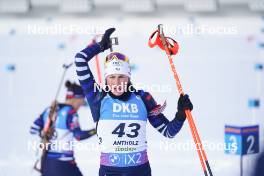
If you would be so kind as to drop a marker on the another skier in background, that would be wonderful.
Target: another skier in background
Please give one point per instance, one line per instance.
(121, 113)
(259, 169)
(59, 160)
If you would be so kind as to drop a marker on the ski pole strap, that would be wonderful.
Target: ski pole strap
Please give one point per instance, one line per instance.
(171, 44)
(113, 41)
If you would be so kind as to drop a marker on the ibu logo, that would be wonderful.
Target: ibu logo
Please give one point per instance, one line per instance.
(125, 108)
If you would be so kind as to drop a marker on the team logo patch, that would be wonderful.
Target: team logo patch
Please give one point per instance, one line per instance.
(158, 109)
(114, 159)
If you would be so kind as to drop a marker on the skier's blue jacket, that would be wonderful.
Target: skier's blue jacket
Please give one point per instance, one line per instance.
(121, 124)
(66, 129)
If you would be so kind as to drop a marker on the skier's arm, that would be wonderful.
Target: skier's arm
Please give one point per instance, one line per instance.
(74, 127)
(167, 128)
(158, 120)
(85, 75)
(37, 125)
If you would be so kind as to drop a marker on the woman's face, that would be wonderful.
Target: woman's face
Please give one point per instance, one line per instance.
(117, 83)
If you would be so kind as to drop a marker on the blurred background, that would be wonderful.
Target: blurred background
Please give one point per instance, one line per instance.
(220, 64)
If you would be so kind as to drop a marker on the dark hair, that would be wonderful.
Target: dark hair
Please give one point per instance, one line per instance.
(69, 85)
(73, 87)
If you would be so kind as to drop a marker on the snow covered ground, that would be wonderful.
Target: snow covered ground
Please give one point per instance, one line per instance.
(216, 69)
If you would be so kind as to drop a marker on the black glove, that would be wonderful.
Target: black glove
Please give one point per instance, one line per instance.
(105, 43)
(183, 103)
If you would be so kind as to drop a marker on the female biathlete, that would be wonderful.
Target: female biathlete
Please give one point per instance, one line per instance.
(59, 160)
(121, 113)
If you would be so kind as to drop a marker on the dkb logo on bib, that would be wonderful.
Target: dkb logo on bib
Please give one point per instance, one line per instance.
(125, 108)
